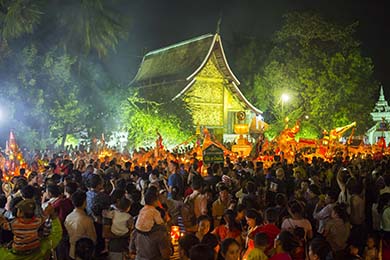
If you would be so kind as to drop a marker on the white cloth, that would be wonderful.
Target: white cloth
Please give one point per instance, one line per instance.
(385, 220)
(120, 222)
(79, 225)
(50, 201)
(147, 217)
(289, 224)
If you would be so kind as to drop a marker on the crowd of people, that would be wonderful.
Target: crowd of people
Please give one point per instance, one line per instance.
(78, 207)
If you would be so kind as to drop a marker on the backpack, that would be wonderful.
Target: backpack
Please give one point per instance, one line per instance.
(188, 212)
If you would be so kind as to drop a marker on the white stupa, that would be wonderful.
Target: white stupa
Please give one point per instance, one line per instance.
(381, 116)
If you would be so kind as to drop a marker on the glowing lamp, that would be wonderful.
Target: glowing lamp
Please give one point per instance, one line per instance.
(241, 129)
(285, 97)
(175, 234)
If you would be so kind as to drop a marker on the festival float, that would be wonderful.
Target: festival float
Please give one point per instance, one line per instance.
(13, 160)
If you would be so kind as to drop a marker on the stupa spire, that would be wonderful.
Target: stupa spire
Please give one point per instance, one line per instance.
(381, 95)
(382, 108)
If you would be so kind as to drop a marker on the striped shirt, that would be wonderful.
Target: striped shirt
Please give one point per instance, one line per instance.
(25, 233)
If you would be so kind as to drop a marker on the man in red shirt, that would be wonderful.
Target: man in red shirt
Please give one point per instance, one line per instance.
(63, 207)
(269, 227)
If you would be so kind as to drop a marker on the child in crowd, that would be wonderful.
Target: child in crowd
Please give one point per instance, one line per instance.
(25, 227)
(299, 251)
(121, 219)
(84, 249)
(354, 252)
(371, 251)
(149, 215)
(261, 243)
(3, 211)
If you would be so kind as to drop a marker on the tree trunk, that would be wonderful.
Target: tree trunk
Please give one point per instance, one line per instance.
(65, 133)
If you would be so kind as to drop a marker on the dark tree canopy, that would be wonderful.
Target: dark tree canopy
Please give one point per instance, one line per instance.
(319, 65)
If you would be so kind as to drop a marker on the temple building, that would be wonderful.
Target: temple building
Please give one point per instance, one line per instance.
(381, 117)
(197, 72)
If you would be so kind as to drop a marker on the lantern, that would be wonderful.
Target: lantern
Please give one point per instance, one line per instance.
(175, 234)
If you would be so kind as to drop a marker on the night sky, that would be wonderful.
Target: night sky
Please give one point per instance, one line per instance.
(158, 23)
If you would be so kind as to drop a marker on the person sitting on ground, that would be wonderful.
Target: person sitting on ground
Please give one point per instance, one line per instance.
(261, 243)
(149, 215)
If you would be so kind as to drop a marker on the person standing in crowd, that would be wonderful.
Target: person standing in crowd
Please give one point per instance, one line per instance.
(337, 230)
(175, 179)
(228, 228)
(64, 207)
(323, 210)
(254, 221)
(220, 205)
(203, 232)
(269, 228)
(78, 224)
(155, 244)
(296, 219)
(94, 187)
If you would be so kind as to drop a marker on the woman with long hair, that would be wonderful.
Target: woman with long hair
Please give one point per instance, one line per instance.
(228, 227)
(254, 221)
(284, 245)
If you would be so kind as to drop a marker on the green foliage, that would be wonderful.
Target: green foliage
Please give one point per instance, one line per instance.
(93, 26)
(141, 124)
(320, 66)
(307, 131)
(57, 86)
(19, 17)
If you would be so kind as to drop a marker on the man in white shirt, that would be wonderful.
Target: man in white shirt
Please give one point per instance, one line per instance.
(78, 223)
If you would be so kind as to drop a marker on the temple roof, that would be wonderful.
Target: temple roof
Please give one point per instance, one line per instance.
(174, 62)
(177, 65)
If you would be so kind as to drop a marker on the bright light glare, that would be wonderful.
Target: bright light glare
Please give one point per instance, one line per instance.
(285, 97)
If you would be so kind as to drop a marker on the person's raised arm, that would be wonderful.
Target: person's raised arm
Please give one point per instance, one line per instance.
(340, 180)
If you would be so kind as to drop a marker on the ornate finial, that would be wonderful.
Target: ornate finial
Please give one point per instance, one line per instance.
(381, 94)
(219, 24)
